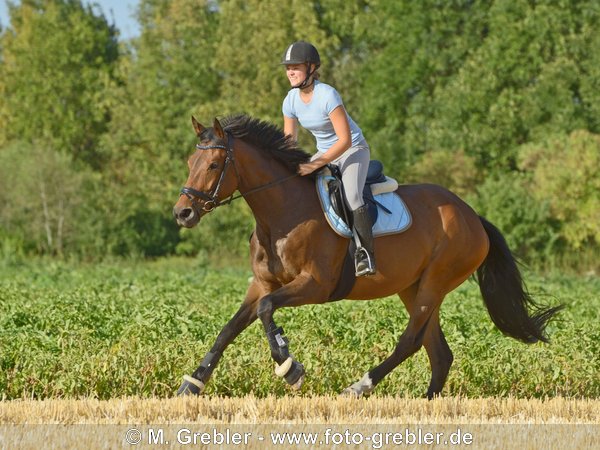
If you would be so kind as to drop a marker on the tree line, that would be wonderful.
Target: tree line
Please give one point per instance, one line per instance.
(496, 100)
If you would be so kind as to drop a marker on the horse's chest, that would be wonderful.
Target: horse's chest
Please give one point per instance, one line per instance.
(280, 260)
(285, 257)
(283, 254)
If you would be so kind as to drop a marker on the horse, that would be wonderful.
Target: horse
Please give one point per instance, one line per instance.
(297, 258)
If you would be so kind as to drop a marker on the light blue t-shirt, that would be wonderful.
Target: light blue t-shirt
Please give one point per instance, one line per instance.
(314, 116)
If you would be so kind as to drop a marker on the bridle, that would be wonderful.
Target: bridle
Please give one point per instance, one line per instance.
(211, 199)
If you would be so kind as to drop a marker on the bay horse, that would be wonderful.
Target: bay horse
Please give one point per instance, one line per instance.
(297, 258)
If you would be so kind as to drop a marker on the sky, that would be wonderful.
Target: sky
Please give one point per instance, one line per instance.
(118, 11)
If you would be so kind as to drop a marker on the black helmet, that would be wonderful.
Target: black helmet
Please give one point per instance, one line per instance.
(301, 52)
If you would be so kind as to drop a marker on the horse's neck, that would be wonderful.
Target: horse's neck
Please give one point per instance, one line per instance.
(281, 205)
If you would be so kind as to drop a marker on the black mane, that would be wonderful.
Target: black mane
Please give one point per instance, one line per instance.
(268, 138)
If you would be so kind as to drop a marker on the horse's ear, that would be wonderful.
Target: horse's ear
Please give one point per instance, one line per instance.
(218, 129)
(198, 127)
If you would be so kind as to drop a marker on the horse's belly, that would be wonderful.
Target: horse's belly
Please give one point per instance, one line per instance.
(378, 286)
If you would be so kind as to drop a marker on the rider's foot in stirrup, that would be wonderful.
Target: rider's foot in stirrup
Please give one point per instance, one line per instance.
(364, 263)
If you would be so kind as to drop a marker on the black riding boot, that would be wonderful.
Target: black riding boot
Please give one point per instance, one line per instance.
(364, 257)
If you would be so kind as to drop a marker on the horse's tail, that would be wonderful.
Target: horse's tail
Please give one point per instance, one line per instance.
(505, 295)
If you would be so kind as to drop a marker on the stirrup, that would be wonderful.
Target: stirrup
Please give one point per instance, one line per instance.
(363, 263)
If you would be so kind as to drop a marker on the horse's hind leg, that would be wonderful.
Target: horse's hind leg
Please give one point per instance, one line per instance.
(423, 312)
(440, 355)
(438, 350)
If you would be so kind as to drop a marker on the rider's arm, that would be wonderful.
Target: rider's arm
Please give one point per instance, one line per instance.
(290, 127)
(339, 120)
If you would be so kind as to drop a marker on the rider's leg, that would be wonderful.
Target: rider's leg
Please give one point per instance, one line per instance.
(354, 165)
(365, 255)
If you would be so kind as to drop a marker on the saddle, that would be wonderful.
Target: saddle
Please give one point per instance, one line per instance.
(376, 183)
(389, 213)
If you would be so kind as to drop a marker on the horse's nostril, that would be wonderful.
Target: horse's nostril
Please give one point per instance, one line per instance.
(185, 213)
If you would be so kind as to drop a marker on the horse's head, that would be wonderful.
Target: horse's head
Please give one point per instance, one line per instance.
(212, 176)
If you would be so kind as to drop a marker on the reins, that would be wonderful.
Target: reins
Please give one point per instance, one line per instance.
(260, 188)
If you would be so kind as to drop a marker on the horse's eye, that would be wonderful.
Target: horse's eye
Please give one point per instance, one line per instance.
(213, 166)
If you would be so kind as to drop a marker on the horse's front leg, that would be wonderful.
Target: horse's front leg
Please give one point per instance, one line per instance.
(239, 322)
(301, 291)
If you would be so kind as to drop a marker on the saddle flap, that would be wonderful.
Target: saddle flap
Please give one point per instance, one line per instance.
(393, 215)
(340, 205)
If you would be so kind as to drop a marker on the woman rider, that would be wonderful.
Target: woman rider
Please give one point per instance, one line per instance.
(318, 107)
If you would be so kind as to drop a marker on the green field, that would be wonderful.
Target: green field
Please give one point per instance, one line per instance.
(119, 329)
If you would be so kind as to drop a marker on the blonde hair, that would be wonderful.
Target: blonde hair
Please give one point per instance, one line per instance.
(316, 73)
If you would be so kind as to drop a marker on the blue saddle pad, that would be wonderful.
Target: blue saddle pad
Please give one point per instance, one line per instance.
(394, 218)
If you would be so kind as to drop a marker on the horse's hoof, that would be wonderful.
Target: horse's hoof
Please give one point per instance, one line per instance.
(190, 386)
(358, 389)
(298, 384)
(350, 393)
(295, 374)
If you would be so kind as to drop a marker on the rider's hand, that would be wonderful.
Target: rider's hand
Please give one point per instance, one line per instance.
(308, 168)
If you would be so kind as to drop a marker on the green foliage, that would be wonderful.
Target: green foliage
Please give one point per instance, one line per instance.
(565, 171)
(249, 49)
(460, 93)
(128, 329)
(415, 50)
(519, 82)
(453, 170)
(40, 193)
(162, 79)
(57, 64)
(526, 222)
(165, 76)
(148, 233)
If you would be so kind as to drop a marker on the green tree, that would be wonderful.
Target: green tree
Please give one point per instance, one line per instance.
(41, 197)
(167, 73)
(167, 76)
(57, 63)
(565, 174)
(454, 170)
(526, 221)
(526, 79)
(252, 36)
(414, 50)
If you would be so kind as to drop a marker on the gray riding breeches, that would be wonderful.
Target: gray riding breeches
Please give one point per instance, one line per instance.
(354, 164)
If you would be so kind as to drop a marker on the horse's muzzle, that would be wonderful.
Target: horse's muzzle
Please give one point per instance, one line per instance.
(186, 216)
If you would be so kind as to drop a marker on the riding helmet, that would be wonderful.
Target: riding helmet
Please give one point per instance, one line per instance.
(301, 52)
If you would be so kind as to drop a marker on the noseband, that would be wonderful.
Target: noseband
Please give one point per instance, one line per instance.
(211, 199)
